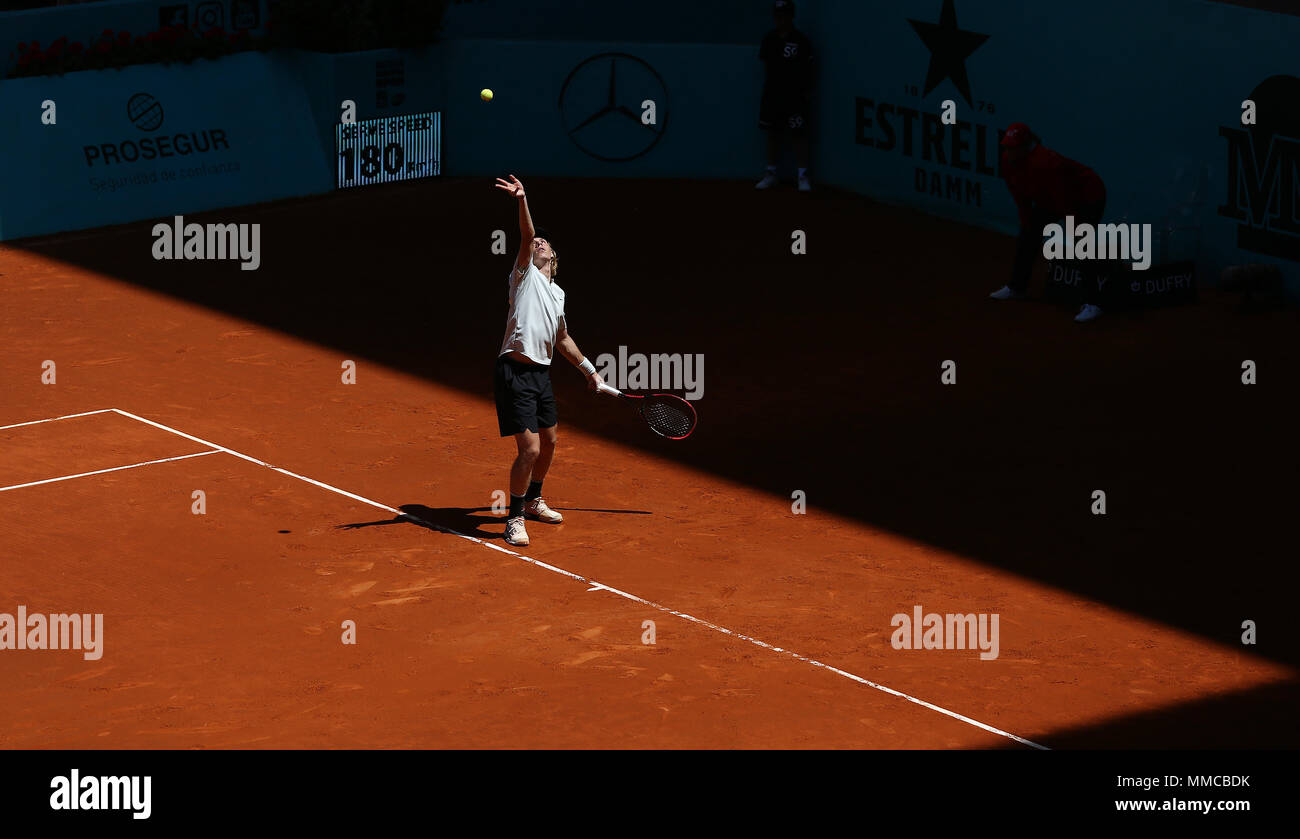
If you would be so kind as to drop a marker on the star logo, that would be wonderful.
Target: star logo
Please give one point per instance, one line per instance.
(949, 48)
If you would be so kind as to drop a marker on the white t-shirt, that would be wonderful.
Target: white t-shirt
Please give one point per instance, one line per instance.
(536, 315)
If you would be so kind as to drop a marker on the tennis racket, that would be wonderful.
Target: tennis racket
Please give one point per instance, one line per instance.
(667, 415)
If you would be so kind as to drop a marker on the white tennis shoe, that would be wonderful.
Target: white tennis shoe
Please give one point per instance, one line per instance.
(515, 533)
(537, 509)
(769, 181)
(1007, 293)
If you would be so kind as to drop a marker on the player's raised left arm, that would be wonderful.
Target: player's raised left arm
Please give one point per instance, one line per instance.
(569, 349)
(526, 229)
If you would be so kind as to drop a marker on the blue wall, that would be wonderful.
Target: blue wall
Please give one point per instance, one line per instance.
(612, 21)
(1141, 102)
(250, 101)
(278, 111)
(1152, 103)
(705, 96)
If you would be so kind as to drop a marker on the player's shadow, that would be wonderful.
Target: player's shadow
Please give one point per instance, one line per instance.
(466, 520)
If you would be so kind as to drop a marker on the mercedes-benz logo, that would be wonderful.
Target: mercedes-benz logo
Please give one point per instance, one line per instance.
(613, 131)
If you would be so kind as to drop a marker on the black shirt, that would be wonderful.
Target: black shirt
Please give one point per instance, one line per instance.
(789, 64)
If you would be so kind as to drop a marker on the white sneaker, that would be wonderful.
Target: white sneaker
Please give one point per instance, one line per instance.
(538, 509)
(1007, 293)
(515, 533)
(769, 181)
(1087, 313)
(805, 185)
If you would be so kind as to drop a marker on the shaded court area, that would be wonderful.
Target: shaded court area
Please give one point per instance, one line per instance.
(822, 375)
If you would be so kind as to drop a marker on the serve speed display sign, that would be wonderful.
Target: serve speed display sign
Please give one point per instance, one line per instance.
(379, 151)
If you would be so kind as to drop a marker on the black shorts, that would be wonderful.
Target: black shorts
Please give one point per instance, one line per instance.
(783, 113)
(525, 401)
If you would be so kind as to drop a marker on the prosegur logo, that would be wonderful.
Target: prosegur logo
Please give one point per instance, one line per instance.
(146, 113)
(1261, 176)
(604, 103)
(909, 129)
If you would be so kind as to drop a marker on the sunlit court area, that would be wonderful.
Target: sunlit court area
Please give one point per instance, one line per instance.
(263, 448)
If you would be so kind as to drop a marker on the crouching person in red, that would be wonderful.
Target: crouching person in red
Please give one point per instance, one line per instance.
(1047, 187)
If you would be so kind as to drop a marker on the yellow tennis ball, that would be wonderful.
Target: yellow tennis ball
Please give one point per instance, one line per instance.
(485, 94)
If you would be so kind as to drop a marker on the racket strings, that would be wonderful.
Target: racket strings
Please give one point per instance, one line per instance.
(668, 418)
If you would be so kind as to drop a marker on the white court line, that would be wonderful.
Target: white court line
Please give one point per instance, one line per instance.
(55, 419)
(102, 471)
(595, 586)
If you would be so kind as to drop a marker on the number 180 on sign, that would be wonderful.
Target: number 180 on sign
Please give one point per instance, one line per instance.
(399, 148)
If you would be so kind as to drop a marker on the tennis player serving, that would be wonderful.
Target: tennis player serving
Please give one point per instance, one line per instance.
(535, 330)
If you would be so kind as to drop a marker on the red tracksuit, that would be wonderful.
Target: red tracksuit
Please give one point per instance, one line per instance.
(1048, 184)
(1048, 187)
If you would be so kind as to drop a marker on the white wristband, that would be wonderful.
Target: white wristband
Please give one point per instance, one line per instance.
(587, 367)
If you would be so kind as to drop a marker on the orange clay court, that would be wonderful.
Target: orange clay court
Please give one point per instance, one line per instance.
(371, 502)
